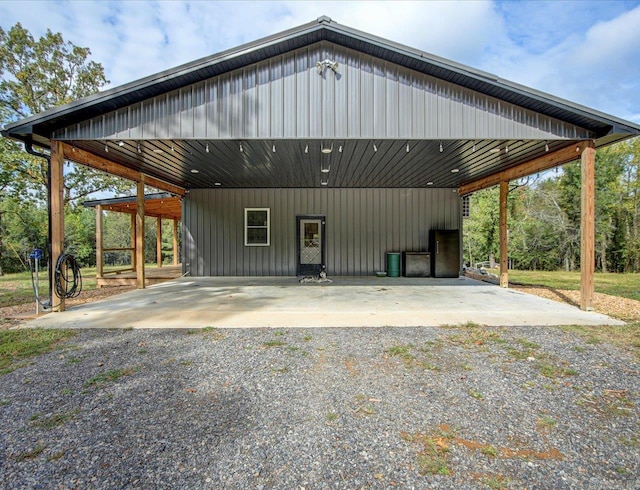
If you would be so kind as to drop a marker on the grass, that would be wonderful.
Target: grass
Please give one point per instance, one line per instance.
(625, 336)
(622, 285)
(33, 453)
(52, 421)
(110, 376)
(17, 346)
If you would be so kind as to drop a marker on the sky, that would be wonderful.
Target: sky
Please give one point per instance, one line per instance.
(587, 52)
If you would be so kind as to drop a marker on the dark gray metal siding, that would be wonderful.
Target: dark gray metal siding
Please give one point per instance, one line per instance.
(285, 97)
(362, 225)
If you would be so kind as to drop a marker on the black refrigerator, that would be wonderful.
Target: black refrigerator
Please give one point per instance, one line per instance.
(444, 246)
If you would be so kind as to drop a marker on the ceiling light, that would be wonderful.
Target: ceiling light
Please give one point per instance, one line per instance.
(494, 150)
(106, 148)
(207, 148)
(429, 183)
(546, 147)
(324, 183)
(306, 149)
(577, 148)
(217, 183)
(121, 143)
(172, 148)
(474, 147)
(325, 170)
(340, 149)
(241, 149)
(326, 150)
(139, 149)
(407, 147)
(455, 170)
(273, 148)
(375, 148)
(441, 149)
(157, 150)
(506, 149)
(195, 171)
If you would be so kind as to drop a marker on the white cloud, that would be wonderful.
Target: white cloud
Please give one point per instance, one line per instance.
(588, 52)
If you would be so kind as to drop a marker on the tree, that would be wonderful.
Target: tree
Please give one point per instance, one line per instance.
(37, 75)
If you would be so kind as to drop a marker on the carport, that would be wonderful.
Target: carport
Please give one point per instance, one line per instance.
(367, 144)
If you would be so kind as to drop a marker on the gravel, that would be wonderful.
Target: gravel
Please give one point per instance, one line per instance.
(448, 407)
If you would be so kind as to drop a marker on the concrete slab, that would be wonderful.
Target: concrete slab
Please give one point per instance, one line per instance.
(346, 302)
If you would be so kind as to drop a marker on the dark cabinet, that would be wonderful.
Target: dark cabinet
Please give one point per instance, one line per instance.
(444, 246)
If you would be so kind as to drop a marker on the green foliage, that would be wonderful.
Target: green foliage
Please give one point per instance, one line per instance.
(544, 217)
(19, 345)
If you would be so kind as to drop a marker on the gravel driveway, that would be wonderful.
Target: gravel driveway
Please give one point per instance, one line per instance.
(459, 407)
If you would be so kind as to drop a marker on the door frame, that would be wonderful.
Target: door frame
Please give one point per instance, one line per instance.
(323, 244)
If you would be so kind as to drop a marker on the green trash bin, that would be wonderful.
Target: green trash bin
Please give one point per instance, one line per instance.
(393, 264)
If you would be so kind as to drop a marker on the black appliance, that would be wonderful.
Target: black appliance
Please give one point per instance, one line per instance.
(444, 246)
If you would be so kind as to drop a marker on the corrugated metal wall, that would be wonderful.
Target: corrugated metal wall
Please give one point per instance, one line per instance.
(362, 225)
(285, 97)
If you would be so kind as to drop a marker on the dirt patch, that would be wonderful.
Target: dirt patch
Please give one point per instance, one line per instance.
(623, 308)
(11, 316)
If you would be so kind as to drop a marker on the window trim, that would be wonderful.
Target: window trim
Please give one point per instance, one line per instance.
(247, 227)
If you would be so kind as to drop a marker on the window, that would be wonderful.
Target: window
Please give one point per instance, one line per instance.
(256, 227)
(466, 207)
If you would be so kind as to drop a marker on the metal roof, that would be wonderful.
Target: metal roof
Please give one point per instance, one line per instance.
(442, 162)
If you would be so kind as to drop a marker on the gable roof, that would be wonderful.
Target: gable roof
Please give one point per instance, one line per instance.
(40, 126)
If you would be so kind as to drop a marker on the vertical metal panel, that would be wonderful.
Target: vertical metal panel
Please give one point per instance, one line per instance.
(341, 87)
(199, 110)
(264, 101)
(316, 82)
(379, 98)
(277, 98)
(362, 225)
(302, 74)
(366, 96)
(286, 97)
(290, 98)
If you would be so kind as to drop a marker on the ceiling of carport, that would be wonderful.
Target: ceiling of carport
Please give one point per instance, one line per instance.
(298, 163)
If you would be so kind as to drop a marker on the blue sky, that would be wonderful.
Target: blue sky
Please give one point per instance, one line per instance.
(584, 51)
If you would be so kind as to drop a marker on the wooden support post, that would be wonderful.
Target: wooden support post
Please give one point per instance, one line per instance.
(99, 243)
(57, 214)
(134, 255)
(159, 242)
(175, 241)
(140, 283)
(587, 228)
(504, 241)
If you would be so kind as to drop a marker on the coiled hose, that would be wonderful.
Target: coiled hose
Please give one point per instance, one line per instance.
(67, 278)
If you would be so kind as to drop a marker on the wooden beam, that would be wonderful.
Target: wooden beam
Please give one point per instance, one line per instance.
(100, 163)
(57, 214)
(99, 243)
(587, 228)
(545, 162)
(140, 284)
(504, 249)
(159, 241)
(134, 256)
(175, 242)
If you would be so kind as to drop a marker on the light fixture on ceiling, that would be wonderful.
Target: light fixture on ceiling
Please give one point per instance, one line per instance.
(325, 170)
(474, 148)
(375, 148)
(577, 149)
(506, 149)
(195, 171)
(546, 147)
(326, 149)
(241, 149)
(139, 149)
(120, 143)
(217, 183)
(273, 148)
(172, 149)
(407, 147)
(429, 183)
(340, 149)
(158, 150)
(441, 149)
(455, 170)
(207, 148)
(494, 150)
(324, 181)
(306, 149)
(106, 148)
